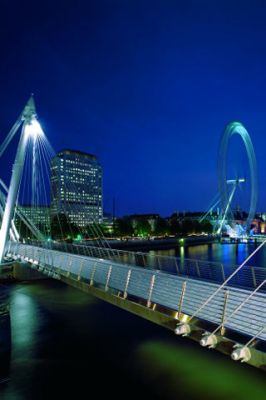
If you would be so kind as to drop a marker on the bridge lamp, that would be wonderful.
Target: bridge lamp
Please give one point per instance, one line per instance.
(33, 129)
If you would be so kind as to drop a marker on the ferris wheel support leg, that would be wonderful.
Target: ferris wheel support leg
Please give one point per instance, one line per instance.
(227, 208)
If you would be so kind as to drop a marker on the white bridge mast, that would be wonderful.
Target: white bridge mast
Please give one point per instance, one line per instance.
(26, 118)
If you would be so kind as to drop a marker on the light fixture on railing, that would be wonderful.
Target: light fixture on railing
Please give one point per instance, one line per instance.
(241, 353)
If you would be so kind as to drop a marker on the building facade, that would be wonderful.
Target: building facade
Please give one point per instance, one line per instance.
(38, 215)
(76, 187)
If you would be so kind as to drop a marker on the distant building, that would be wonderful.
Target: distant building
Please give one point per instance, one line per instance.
(76, 187)
(38, 215)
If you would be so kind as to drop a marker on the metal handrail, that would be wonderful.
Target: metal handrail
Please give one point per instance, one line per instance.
(147, 284)
(240, 306)
(227, 280)
(199, 269)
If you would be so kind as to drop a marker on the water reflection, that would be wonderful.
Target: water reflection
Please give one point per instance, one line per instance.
(24, 317)
(228, 254)
(195, 374)
(5, 347)
(66, 343)
(5, 335)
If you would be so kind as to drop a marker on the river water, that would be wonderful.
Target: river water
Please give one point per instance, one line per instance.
(67, 344)
(227, 254)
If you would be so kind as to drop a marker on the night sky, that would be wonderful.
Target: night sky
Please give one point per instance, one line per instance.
(147, 86)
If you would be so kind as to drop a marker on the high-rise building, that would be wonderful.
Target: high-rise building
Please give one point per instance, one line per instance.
(76, 187)
(37, 215)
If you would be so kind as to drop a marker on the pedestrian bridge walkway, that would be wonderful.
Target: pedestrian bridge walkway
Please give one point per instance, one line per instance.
(223, 307)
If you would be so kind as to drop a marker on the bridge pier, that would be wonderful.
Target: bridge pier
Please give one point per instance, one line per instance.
(22, 272)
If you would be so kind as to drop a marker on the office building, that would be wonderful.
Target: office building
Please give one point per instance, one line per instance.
(76, 187)
(37, 215)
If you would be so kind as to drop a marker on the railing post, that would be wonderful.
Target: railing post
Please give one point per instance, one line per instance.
(254, 277)
(223, 274)
(127, 283)
(108, 278)
(183, 291)
(69, 265)
(159, 264)
(226, 294)
(93, 273)
(197, 268)
(61, 264)
(176, 266)
(143, 258)
(150, 290)
(81, 269)
(16, 249)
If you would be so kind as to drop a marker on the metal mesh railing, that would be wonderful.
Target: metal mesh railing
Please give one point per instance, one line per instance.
(240, 310)
(248, 276)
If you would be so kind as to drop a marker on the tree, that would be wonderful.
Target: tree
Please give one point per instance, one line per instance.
(142, 228)
(175, 226)
(187, 226)
(96, 230)
(162, 227)
(206, 226)
(62, 228)
(123, 227)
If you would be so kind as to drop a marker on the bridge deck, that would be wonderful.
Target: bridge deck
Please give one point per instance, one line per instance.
(242, 311)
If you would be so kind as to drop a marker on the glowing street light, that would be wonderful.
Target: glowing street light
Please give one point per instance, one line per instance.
(33, 128)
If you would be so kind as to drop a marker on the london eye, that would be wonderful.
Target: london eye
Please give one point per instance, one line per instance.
(233, 182)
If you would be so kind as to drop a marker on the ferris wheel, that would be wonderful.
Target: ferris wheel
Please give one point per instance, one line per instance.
(231, 184)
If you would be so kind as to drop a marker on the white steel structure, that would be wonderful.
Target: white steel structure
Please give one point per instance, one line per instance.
(30, 126)
(236, 128)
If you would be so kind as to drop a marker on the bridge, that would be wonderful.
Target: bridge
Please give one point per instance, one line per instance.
(218, 307)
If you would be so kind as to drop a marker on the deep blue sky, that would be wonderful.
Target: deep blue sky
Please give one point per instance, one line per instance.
(147, 86)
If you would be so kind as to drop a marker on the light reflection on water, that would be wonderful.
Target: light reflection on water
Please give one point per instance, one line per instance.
(24, 317)
(65, 342)
(228, 254)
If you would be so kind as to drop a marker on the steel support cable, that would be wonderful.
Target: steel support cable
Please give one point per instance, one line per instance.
(19, 189)
(27, 176)
(20, 214)
(95, 229)
(215, 201)
(70, 227)
(235, 311)
(227, 208)
(2, 208)
(47, 158)
(23, 186)
(11, 134)
(263, 328)
(41, 178)
(227, 280)
(96, 233)
(72, 187)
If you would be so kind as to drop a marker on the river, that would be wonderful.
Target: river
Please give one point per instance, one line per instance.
(67, 344)
(228, 254)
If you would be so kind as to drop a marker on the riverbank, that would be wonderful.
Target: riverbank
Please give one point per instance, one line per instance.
(161, 244)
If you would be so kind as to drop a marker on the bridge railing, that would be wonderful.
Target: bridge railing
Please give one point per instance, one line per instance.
(248, 276)
(202, 269)
(230, 307)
